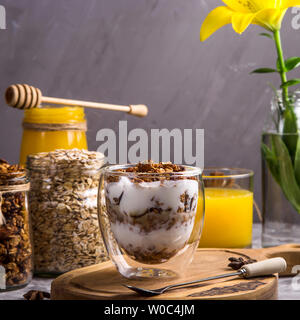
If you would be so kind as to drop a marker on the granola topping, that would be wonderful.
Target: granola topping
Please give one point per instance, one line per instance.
(149, 171)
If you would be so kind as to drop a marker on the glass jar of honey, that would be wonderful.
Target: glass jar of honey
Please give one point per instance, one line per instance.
(48, 129)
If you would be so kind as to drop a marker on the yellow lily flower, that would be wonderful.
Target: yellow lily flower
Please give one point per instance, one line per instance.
(241, 13)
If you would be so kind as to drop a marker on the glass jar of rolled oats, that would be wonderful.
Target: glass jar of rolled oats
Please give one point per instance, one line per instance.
(63, 207)
(15, 240)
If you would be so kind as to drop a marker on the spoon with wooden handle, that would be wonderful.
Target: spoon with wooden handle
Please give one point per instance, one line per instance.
(23, 96)
(262, 268)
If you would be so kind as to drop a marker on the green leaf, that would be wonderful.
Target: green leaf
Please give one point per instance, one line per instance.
(288, 181)
(290, 83)
(290, 130)
(297, 163)
(264, 70)
(292, 63)
(268, 35)
(271, 160)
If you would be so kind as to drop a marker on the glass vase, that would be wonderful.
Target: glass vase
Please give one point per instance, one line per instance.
(281, 220)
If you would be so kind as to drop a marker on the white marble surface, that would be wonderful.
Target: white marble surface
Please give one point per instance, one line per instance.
(285, 292)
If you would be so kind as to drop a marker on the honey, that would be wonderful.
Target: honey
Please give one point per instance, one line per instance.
(48, 129)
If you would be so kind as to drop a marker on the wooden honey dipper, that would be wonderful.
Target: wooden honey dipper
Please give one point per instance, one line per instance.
(23, 96)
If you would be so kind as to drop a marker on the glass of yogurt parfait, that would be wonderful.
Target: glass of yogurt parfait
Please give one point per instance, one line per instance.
(151, 217)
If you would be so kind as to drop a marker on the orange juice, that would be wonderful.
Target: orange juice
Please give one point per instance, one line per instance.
(228, 218)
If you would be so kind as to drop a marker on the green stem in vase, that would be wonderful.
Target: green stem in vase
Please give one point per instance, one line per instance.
(290, 127)
(281, 62)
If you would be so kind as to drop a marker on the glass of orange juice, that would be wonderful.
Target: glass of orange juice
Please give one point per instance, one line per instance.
(228, 208)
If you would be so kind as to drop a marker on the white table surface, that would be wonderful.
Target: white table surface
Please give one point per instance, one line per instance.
(286, 290)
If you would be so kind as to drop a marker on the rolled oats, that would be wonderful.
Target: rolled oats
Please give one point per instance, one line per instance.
(63, 206)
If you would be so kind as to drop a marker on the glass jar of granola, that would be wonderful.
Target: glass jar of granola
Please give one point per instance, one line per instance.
(15, 240)
(63, 207)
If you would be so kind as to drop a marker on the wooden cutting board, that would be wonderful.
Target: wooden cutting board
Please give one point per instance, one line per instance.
(103, 282)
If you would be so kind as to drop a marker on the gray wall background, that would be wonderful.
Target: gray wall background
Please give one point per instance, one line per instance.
(143, 51)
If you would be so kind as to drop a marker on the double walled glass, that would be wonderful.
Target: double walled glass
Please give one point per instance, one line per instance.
(151, 223)
(228, 208)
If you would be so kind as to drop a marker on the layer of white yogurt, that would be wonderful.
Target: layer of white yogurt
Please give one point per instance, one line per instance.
(137, 197)
(175, 238)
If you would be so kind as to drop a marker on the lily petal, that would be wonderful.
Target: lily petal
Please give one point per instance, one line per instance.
(238, 6)
(241, 21)
(290, 3)
(270, 19)
(215, 20)
(247, 6)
